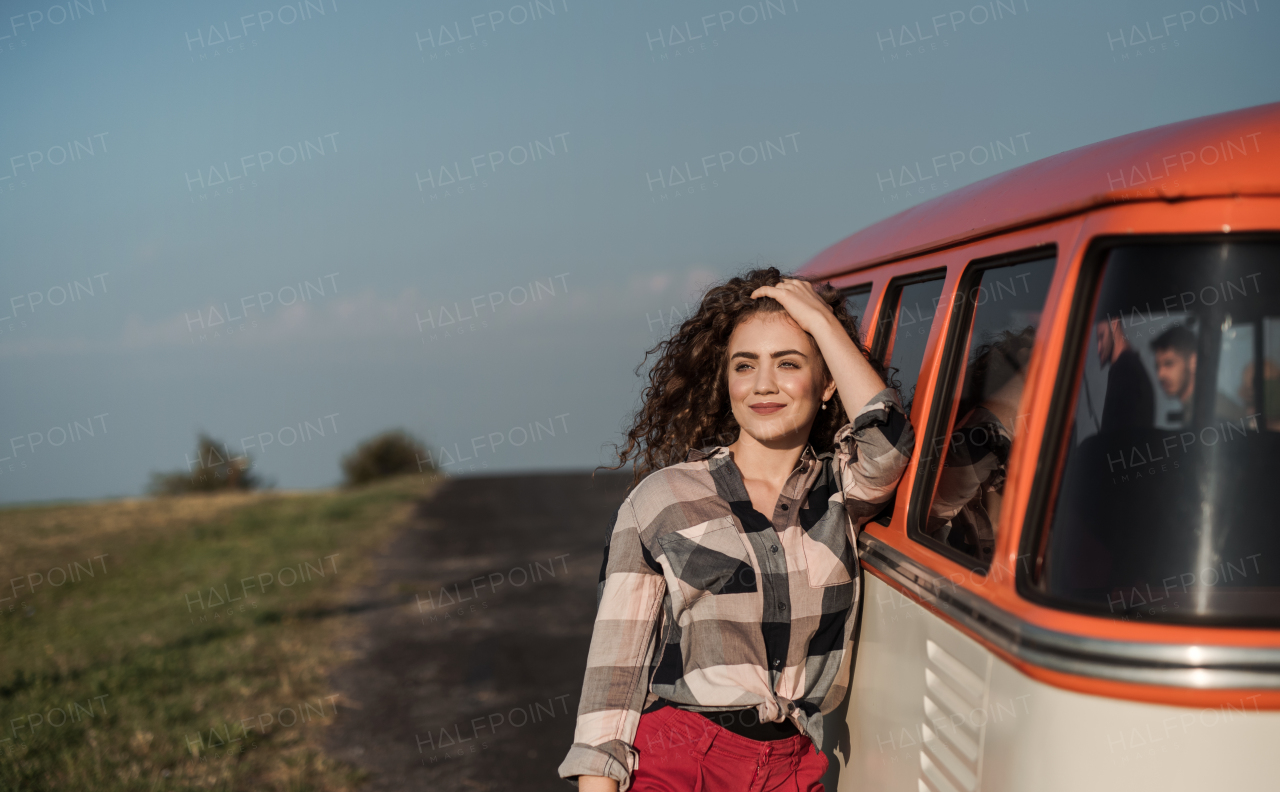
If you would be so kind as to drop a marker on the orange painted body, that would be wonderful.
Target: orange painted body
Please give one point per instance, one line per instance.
(1128, 185)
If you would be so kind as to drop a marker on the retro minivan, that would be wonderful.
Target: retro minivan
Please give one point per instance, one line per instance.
(1077, 585)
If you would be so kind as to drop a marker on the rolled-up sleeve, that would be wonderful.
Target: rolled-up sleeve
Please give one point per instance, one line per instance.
(871, 452)
(623, 641)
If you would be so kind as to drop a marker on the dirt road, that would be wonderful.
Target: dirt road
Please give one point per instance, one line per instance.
(472, 681)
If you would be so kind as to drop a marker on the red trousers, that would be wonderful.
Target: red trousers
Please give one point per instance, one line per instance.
(684, 752)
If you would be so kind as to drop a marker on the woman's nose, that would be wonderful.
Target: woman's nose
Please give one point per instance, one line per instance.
(766, 382)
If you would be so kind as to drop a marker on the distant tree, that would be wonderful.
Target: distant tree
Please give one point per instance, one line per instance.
(392, 453)
(214, 469)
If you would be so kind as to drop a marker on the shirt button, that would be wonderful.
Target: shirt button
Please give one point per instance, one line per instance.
(782, 606)
(784, 507)
(773, 549)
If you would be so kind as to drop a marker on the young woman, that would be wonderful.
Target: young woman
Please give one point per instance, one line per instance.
(730, 581)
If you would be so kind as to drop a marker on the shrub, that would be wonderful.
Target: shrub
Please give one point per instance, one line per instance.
(392, 453)
(214, 470)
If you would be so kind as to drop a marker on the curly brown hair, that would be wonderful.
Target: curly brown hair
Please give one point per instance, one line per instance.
(686, 403)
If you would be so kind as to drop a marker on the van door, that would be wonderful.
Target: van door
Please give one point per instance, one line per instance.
(919, 702)
(907, 315)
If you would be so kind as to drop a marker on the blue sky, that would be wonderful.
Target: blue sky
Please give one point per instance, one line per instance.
(293, 226)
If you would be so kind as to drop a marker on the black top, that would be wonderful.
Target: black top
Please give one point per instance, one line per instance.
(743, 722)
(1130, 401)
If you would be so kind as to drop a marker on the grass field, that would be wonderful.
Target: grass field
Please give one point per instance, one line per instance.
(181, 643)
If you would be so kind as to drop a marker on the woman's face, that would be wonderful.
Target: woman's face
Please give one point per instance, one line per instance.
(777, 380)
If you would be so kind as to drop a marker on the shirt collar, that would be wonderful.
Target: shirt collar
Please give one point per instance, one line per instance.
(699, 454)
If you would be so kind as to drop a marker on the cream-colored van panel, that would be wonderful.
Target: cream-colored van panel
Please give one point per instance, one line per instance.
(1071, 741)
(930, 709)
(913, 711)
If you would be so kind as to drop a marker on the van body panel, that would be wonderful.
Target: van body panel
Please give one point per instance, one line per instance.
(1193, 675)
(915, 712)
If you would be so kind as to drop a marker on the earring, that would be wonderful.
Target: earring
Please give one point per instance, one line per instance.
(824, 405)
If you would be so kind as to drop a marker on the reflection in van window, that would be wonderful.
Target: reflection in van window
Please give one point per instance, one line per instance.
(855, 302)
(1006, 304)
(917, 305)
(1130, 400)
(1239, 390)
(1168, 499)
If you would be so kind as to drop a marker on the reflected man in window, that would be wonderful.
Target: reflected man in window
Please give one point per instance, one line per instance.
(1130, 401)
(966, 505)
(1175, 352)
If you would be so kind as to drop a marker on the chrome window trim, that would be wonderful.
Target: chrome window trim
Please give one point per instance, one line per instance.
(1171, 665)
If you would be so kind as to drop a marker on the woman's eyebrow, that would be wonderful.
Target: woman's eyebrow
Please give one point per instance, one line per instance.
(775, 355)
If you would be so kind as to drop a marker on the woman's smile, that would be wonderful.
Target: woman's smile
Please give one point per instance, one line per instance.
(766, 408)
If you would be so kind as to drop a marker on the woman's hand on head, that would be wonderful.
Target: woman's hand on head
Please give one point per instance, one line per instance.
(855, 379)
(802, 303)
(596, 784)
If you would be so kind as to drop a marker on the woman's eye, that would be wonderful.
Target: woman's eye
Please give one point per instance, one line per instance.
(790, 363)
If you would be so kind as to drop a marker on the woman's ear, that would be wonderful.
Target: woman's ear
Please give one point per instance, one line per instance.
(830, 390)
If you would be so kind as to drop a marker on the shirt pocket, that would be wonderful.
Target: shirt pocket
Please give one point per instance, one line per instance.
(828, 556)
(710, 558)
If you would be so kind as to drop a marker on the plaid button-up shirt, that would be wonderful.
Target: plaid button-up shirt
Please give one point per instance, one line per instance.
(707, 603)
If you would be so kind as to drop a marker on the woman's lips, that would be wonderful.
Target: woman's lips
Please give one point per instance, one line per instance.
(767, 408)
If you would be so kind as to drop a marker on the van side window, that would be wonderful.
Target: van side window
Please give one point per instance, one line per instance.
(855, 302)
(977, 418)
(909, 313)
(1166, 502)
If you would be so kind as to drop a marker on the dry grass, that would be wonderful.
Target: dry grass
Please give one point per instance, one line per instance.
(169, 679)
(36, 535)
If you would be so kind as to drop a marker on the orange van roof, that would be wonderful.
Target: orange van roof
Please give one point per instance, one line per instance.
(1233, 153)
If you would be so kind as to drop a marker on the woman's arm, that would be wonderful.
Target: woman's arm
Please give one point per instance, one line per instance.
(871, 453)
(623, 641)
